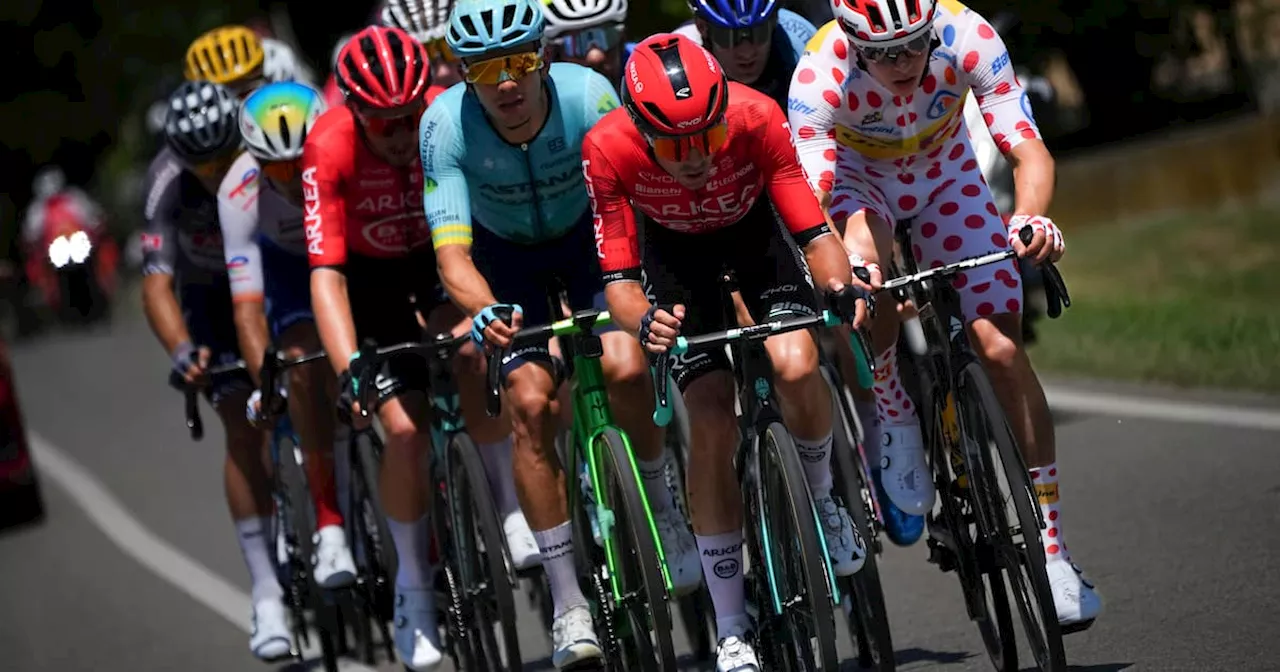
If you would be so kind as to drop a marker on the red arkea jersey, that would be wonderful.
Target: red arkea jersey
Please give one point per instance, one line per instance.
(356, 201)
(757, 156)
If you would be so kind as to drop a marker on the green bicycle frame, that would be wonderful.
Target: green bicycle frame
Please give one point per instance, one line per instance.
(591, 418)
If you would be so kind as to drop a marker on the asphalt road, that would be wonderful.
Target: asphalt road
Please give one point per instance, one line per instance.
(1176, 522)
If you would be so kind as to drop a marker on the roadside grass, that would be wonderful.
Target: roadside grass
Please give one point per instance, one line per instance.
(1189, 300)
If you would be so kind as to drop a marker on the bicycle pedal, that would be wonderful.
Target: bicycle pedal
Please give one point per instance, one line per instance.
(941, 556)
(1077, 627)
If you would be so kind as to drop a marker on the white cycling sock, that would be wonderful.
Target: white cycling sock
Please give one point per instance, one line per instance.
(654, 476)
(556, 545)
(252, 535)
(721, 556)
(412, 542)
(892, 402)
(869, 417)
(1044, 480)
(496, 457)
(815, 456)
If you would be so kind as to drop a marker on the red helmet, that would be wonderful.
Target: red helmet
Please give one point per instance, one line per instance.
(672, 86)
(383, 67)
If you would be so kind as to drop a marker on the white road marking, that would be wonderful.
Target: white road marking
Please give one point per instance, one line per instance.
(148, 549)
(1161, 409)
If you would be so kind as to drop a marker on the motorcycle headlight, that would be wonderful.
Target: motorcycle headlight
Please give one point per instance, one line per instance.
(80, 247)
(60, 252)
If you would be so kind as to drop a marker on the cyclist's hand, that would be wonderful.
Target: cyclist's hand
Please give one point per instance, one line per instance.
(873, 270)
(253, 410)
(348, 406)
(660, 326)
(838, 295)
(1046, 243)
(489, 327)
(192, 363)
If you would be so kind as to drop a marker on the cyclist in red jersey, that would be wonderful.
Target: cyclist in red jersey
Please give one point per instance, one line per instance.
(373, 270)
(711, 166)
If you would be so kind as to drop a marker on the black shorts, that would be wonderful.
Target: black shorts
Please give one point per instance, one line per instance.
(528, 274)
(688, 268)
(210, 320)
(385, 297)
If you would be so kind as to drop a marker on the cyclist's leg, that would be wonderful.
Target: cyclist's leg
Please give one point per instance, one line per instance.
(991, 299)
(686, 269)
(312, 388)
(246, 478)
(868, 232)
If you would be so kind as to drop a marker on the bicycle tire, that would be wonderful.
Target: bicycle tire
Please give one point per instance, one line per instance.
(1023, 560)
(622, 496)
(301, 517)
(377, 575)
(869, 617)
(697, 615)
(466, 473)
(778, 451)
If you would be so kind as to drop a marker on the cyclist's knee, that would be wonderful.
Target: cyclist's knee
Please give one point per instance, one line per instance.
(531, 393)
(997, 341)
(709, 401)
(625, 364)
(795, 360)
(397, 416)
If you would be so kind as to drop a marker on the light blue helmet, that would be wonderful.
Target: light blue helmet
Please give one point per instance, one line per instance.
(477, 27)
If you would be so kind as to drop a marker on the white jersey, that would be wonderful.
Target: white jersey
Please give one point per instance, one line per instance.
(252, 213)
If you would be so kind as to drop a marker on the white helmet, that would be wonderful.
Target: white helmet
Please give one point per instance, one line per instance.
(48, 181)
(275, 119)
(279, 64)
(564, 16)
(337, 50)
(424, 20)
(879, 24)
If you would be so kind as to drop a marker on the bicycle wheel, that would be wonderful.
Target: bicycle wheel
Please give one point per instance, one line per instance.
(301, 519)
(869, 617)
(375, 554)
(1007, 506)
(796, 559)
(479, 547)
(642, 615)
(696, 612)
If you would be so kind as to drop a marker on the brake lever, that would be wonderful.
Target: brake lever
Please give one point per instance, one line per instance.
(493, 374)
(368, 352)
(661, 367)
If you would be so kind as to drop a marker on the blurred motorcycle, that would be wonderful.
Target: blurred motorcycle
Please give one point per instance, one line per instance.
(74, 266)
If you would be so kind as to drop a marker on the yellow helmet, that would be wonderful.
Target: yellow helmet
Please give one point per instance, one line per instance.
(225, 55)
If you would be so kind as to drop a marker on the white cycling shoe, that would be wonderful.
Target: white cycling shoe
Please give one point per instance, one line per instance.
(573, 638)
(271, 639)
(845, 546)
(520, 541)
(334, 567)
(417, 635)
(679, 550)
(904, 473)
(735, 654)
(1074, 597)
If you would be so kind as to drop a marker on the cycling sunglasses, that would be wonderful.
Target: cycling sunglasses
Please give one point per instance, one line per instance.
(729, 38)
(281, 172)
(387, 122)
(579, 43)
(438, 51)
(513, 67)
(915, 47)
(677, 148)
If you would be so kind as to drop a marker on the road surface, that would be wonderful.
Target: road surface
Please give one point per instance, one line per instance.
(1177, 523)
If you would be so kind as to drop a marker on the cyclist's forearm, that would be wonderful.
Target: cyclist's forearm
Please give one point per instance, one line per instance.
(332, 308)
(627, 305)
(827, 261)
(1033, 177)
(251, 331)
(462, 280)
(164, 315)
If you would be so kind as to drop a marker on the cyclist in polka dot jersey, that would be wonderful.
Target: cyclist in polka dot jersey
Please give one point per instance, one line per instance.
(876, 106)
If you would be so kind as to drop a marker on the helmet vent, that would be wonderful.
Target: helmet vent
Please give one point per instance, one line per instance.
(284, 133)
(656, 113)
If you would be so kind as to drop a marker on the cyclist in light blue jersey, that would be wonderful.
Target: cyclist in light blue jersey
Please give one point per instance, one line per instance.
(507, 202)
(757, 43)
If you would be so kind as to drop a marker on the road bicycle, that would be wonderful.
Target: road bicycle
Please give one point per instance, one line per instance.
(478, 573)
(629, 582)
(987, 525)
(790, 583)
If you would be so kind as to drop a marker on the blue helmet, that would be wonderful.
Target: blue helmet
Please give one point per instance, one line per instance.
(734, 13)
(477, 27)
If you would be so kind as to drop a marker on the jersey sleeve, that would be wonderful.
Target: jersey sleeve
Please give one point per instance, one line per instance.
(617, 245)
(599, 98)
(788, 190)
(814, 98)
(238, 219)
(445, 199)
(160, 232)
(324, 207)
(1004, 104)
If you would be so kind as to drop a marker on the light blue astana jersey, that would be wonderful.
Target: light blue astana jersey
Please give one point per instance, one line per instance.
(525, 193)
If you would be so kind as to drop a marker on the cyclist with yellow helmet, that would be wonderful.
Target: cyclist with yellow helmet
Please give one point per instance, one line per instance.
(239, 59)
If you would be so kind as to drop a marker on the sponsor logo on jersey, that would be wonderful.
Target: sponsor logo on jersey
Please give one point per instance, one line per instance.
(1000, 63)
(152, 242)
(311, 212)
(797, 105)
(873, 118)
(606, 103)
(428, 185)
(556, 144)
(238, 262)
(398, 233)
(377, 184)
(248, 183)
(383, 203)
(943, 102)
